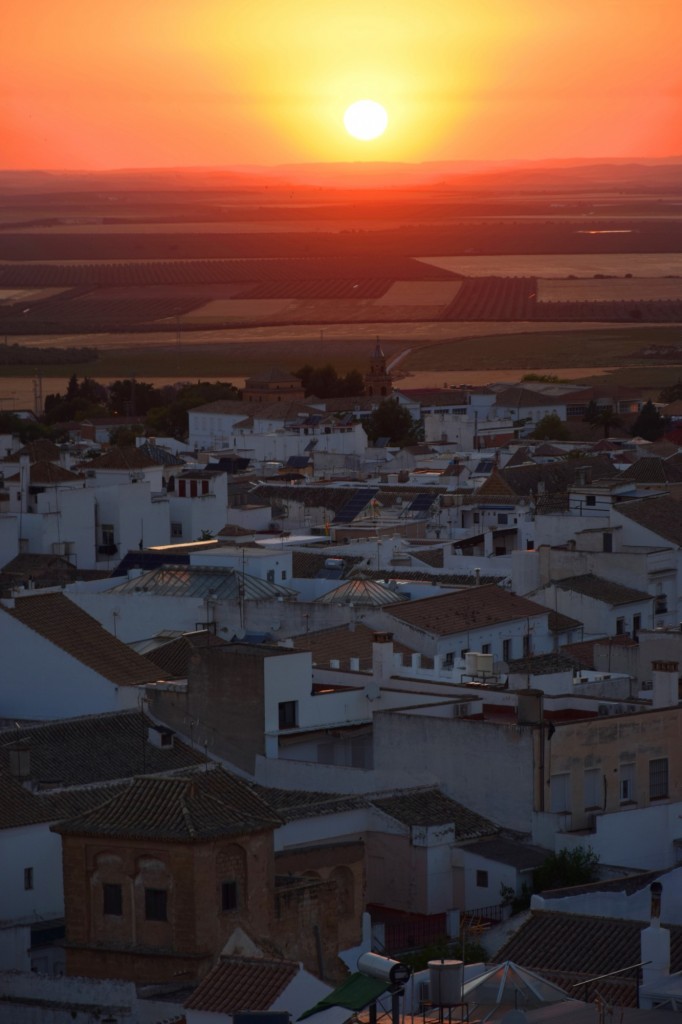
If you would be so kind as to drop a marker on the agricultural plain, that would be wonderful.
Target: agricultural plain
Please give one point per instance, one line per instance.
(222, 281)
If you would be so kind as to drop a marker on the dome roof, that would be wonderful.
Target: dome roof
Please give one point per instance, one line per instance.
(359, 591)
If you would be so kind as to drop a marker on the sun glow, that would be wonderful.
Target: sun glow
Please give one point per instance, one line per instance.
(365, 120)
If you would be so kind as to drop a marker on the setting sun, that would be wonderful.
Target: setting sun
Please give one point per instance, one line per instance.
(365, 120)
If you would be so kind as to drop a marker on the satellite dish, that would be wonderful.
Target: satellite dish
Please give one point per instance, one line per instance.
(239, 634)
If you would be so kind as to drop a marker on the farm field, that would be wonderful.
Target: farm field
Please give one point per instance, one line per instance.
(636, 289)
(552, 265)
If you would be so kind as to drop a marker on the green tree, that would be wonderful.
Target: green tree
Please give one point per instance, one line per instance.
(392, 420)
(649, 424)
(673, 393)
(324, 382)
(578, 866)
(551, 428)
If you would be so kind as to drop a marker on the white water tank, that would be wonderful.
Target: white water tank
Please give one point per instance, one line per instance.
(445, 982)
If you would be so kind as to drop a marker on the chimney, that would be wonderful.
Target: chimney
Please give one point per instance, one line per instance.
(382, 664)
(665, 684)
(654, 951)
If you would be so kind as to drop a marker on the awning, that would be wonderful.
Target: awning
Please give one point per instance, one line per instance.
(355, 994)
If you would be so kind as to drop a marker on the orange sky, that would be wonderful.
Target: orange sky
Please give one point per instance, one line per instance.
(97, 84)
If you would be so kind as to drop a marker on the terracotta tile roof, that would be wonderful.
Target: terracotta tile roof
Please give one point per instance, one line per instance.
(661, 515)
(43, 570)
(38, 451)
(21, 807)
(473, 608)
(559, 623)
(583, 652)
(544, 664)
(653, 470)
(342, 643)
(96, 748)
(569, 948)
(555, 477)
(294, 804)
(196, 806)
(64, 624)
(173, 656)
(522, 856)
(600, 589)
(424, 807)
(242, 983)
(224, 406)
(44, 472)
(431, 556)
(118, 457)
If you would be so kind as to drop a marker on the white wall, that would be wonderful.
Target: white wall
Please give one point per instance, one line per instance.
(640, 838)
(41, 681)
(30, 846)
(483, 765)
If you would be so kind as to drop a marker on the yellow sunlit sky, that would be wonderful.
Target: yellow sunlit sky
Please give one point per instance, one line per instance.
(97, 84)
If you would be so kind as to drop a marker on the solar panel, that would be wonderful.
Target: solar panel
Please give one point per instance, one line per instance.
(422, 502)
(356, 504)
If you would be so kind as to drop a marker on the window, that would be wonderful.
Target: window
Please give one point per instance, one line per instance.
(284, 574)
(229, 899)
(482, 879)
(530, 545)
(559, 793)
(107, 533)
(590, 500)
(112, 899)
(270, 576)
(502, 518)
(506, 650)
(155, 904)
(176, 529)
(626, 783)
(661, 604)
(288, 714)
(485, 648)
(658, 778)
(607, 542)
(592, 787)
(28, 878)
(620, 627)
(477, 517)
(636, 625)
(526, 645)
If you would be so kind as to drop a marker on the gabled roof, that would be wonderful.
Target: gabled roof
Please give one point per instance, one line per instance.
(193, 807)
(473, 608)
(238, 983)
(62, 623)
(96, 748)
(600, 589)
(569, 948)
(38, 451)
(425, 807)
(502, 850)
(583, 652)
(119, 457)
(173, 655)
(44, 472)
(548, 478)
(651, 469)
(661, 515)
(341, 643)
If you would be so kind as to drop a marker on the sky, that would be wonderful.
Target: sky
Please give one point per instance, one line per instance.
(101, 84)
